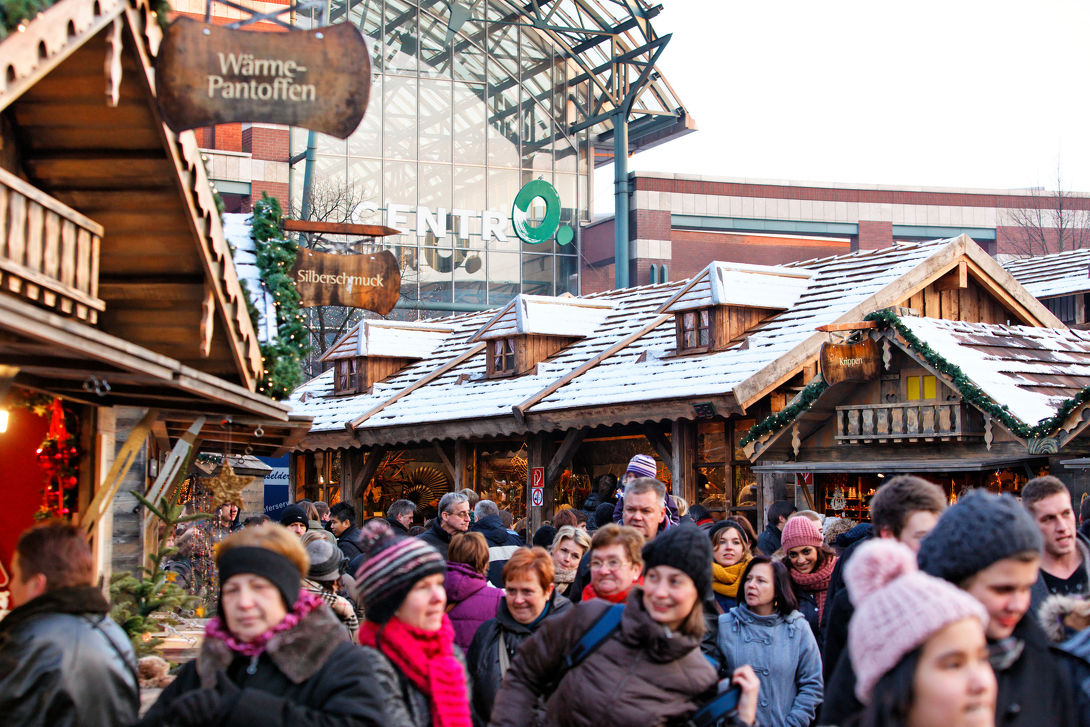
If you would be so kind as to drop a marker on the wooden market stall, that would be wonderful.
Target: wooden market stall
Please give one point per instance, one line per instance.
(117, 289)
(965, 405)
(576, 386)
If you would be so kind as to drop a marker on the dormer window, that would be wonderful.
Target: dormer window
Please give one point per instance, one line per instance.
(693, 330)
(502, 360)
(376, 350)
(725, 301)
(346, 376)
(531, 328)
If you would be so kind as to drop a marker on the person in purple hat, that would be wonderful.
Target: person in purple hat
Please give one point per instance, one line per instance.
(642, 465)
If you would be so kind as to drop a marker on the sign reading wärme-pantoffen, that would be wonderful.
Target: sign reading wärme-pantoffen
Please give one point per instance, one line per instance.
(355, 281)
(318, 79)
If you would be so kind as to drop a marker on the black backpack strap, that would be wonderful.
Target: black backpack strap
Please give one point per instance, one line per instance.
(715, 710)
(606, 624)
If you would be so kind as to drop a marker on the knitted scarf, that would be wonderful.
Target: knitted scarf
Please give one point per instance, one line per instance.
(816, 582)
(589, 593)
(217, 629)
(426, 658)
(563, 579)
(727, 579)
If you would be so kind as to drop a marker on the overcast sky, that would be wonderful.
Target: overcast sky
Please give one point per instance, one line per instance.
(958, 93)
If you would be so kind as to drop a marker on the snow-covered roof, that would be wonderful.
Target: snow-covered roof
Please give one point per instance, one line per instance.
(562, 315)
(627, 357)
(1030, 370)
(757, 286)
(238, 229)
(400, 339)
(1061, 273)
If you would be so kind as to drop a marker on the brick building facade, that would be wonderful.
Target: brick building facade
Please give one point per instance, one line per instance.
(681, 223)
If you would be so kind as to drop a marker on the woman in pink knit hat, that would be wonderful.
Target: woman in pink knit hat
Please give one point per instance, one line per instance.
(917, 644)
(810, 563)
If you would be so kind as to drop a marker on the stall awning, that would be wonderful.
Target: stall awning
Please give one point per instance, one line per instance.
(73, 360)
(897, 465)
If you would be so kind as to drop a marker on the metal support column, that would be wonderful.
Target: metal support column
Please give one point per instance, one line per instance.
(620, 198)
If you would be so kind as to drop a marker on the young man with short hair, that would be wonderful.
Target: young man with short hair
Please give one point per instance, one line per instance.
(62, 659)
(989, 547)
(1065, 559)
(905, 509)
(342, 523)
(453, 518)
(768, 542)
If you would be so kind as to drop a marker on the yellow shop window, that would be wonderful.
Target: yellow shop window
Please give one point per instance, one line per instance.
(920, 388)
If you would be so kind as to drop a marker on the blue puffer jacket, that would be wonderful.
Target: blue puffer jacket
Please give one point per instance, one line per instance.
(784, 654)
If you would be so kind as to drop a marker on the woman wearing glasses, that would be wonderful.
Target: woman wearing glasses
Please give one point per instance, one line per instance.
(615, 563)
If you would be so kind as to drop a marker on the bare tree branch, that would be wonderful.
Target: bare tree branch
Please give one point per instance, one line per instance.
(1054, 221)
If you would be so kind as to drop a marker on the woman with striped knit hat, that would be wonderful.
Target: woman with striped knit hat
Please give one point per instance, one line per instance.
(408, 637)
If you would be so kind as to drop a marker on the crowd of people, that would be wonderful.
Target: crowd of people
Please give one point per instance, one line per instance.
(631, 610)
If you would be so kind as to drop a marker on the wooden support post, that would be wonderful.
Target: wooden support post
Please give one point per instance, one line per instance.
(684, 451)
(362, 477)
(563, 457)
(445, 460)
(106, 490)
(459, 464)
(766, 494)
(665, 450)
(537, 456)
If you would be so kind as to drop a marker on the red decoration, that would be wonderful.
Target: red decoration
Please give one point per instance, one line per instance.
(57, 456)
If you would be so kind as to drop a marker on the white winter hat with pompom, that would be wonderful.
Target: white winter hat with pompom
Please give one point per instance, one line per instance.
(897, 608)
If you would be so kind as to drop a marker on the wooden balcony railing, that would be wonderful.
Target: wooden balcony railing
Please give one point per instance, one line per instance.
(48, 251)
(907, 422)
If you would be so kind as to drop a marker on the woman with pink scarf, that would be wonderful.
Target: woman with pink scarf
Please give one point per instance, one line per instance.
(810, 564)
(275, 652)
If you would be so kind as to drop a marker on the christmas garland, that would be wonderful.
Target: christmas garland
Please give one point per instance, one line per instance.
(785, 416)
(282, 356)
(14, 13)
(973, 393)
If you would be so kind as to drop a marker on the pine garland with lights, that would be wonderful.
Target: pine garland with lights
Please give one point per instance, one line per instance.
(785, 416)
(283, 356)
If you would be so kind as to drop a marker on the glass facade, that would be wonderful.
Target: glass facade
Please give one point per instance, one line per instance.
(458, 121)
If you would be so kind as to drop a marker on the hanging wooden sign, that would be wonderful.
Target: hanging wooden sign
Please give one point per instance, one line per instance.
(372, 281)
(318, 79)
(859, 361)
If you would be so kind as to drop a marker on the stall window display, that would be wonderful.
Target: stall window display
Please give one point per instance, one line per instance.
(722, 470)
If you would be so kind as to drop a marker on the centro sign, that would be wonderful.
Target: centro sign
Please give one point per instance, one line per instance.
(441, 222)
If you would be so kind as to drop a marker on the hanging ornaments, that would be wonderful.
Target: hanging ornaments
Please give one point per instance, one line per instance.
(226, 487)
(58, 456)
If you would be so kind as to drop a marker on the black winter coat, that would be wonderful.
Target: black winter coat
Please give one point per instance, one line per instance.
(1034, 691)
(501, 545)
(483, 656)
(437, 537)
(310, 675)
(349, 542)
(64, 662)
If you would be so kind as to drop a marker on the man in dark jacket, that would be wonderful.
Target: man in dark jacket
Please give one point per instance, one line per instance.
(906, 509)
(990, 547)
(453, 518)
(501, 544)
(342, 522)
(63, 661)
(768, 542)
(1065, 560)
(400, 515)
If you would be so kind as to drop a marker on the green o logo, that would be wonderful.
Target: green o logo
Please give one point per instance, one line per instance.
(550, 225)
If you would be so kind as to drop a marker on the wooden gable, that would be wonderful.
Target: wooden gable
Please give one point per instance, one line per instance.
(164, 272)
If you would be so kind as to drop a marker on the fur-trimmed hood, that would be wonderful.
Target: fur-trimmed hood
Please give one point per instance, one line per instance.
(299, 652)
(1054, 612)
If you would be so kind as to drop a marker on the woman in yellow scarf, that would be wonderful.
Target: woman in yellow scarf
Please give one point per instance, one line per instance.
(730, 556)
